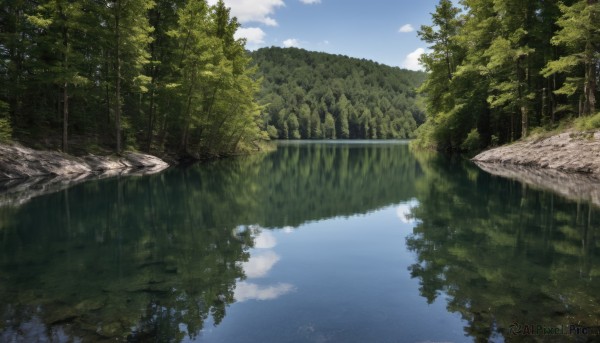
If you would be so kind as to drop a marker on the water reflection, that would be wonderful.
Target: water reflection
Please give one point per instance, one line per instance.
(265, 240)
(155, 257)
(504, 253)
(258, 266)
(162, 257)
(249, 291)
(404, 210)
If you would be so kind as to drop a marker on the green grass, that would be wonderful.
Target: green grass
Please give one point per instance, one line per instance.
(587, 123)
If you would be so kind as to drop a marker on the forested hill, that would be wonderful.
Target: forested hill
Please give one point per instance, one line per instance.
(312, 95)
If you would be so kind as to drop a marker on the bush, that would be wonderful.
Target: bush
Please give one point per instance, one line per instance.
(472, 142)
(5, 128)
(588, 123)
(272, 132)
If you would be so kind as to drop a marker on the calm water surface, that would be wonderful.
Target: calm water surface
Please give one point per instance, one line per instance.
(315, 242)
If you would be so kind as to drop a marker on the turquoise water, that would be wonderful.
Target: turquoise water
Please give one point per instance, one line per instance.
(315, 242)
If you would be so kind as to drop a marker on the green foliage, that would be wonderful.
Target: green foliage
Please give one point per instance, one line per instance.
(472, 142)
(312, 86)
(505, 67)
(162, 76)
(588, 123)
(580, 33)
(272, 132)
(5, 128)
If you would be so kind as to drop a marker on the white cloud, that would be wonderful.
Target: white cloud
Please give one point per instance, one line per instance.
(310, 1)
(412, 60)
(250, 291)
(265, 240)
(403, 211)
(406, 28)
(253, 35)
(291, 42)
(257, 11)
(259, 265)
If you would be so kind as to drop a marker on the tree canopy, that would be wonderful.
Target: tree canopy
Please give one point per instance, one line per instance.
(312, 95)
(499, 68)
(159, 76)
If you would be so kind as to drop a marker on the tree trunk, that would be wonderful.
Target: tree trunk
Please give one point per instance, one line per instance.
(590, 71)
(118, 78)
(544, 105)
(524, 121)
(186, 126)
(589, 107)
(65, 133)
(150, 118)
(552, 99)
(65, 136)
(512, 126)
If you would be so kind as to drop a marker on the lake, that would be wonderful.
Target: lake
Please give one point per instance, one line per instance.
(314, 242)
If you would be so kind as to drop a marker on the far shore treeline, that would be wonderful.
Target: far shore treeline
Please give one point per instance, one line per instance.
(500, 69)
(312, 95)
(154, 75)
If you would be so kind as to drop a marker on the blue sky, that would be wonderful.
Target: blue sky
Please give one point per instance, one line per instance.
(368, 29)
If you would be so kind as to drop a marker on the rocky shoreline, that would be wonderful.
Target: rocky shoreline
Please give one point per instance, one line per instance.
(26, 173)
(569, 152)
(567, 164)
(18, 162)
(576, 187)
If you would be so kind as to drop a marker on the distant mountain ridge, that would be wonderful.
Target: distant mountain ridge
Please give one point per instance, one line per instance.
(311, 95)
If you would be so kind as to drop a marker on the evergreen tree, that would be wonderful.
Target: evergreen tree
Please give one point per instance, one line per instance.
(312, 84)
(164, 77)
(580, 33)
(505, 66)
(128, 44)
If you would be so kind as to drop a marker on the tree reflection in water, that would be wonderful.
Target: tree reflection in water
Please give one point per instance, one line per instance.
(154, 257)
(504, 253)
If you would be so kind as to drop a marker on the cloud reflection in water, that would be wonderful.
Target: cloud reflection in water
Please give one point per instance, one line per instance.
(250, 291)
(258, 266)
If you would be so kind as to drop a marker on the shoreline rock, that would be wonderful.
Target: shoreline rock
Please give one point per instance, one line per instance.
(577, 187)
(26, 173)
(570, 152)
(17, 162)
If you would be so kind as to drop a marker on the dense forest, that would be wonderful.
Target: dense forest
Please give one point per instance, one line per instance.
(317, 95)
(499, 69)
(158, 76)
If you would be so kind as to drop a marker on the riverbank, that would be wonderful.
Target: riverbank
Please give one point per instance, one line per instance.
(26, 173)
(18, 162)
(576, 187)
(570, 152)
